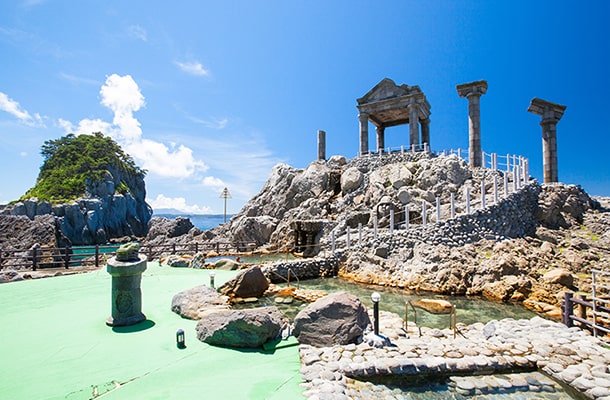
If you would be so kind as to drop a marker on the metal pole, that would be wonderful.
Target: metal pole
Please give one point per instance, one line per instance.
(376, 317)
(407, 216)
(483, 193)
(467, 200)
(496, 189)
(360, 234)
(391, 221)
(438, 209)
(423, 213)
(452, 205)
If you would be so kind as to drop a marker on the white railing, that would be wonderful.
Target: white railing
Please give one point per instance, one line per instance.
(514, 172)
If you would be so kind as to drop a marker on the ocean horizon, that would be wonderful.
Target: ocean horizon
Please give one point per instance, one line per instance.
(201, 221)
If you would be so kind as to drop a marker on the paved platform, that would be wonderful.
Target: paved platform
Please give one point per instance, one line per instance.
(54, 344)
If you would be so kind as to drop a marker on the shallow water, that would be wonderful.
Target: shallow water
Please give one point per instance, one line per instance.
(469, 309)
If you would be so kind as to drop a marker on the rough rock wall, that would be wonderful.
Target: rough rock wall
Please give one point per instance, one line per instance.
(103, 214)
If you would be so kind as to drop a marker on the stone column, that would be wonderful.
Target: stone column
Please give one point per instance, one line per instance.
(425, 131)
(551, 113)
(414, 125)
(126, 291)
(473, 92)
(380, 138)
(364, 133)
(321, 145)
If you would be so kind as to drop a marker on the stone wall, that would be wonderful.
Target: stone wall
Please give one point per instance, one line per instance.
(512, 217)
(308, 268)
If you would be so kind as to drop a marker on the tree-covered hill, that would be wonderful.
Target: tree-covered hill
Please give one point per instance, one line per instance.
(72, 163)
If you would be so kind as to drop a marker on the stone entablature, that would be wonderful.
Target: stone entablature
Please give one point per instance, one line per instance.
(388, 104)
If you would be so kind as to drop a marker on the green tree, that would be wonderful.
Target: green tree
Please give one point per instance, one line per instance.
(71, 161)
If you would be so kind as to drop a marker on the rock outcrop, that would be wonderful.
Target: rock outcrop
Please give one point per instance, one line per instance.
(195, 302)
(240, 328)
(102, 214)
(501, 250)
(337, 319)
(248, 283)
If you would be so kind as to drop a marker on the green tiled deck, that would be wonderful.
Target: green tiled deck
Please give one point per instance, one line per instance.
(55, 345)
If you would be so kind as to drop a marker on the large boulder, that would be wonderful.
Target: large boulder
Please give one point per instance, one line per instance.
(351, 179)
(249, 328)
(194, 302)
(248, 283)
(257, 229)
(559, 275)
(168, 228)
(563, 206)
(339, 318)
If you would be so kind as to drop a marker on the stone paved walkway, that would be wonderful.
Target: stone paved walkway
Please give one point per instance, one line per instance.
(569, 355)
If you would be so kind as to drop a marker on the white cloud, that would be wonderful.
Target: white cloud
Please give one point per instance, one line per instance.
(157, 158)
(122, 95)
(137, 32)
(193, 68)
(214, 183)
(177, 203)
(23, 154)
(12, 107)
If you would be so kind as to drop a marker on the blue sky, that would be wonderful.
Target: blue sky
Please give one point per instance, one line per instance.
(212, 94)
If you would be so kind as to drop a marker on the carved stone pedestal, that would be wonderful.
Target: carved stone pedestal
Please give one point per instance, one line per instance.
(126, 292)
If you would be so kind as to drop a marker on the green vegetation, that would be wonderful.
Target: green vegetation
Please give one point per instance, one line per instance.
(72, 161)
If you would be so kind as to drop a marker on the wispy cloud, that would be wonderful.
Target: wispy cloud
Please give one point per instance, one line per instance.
(193, 68)
(177, 203)
(137, 32)
(78, 80)
(243, 160)
(12, 107)
(122, 95)
(212, 123)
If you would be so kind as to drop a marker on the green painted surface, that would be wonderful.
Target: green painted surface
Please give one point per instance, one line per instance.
(55, 345)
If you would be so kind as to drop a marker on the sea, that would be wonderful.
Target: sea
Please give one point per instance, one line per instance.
(203, 222)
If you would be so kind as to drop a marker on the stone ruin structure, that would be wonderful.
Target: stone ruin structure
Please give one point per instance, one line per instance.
(306, 236)
(473, 91)
(551, 113)
(388, 104)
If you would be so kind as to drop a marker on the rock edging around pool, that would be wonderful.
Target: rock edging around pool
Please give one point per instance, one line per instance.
(569, 355)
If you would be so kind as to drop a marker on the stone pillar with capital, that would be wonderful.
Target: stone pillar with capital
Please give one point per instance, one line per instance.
(380, 138)
(414, 125)
(551, 113)
(473, 91)
(364, 133)
(425, 131)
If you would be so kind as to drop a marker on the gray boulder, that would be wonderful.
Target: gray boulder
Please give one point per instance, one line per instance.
(168, 228)
(198, 261)
(249, 328)
(339, 318)
(177, 261)
(194, 302)
(248, 283)
(226, 264)
(351, 179)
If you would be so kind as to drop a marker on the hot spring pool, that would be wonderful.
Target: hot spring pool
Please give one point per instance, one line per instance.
(469, 309)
